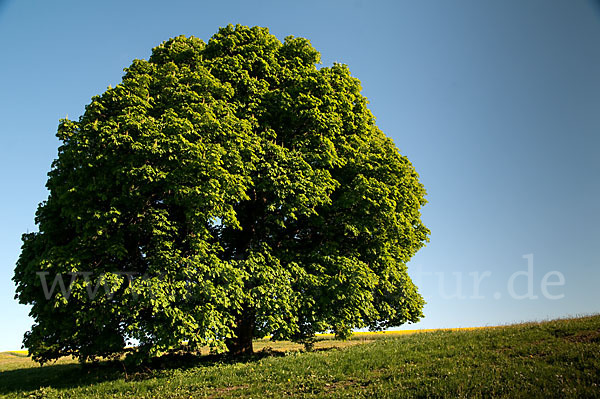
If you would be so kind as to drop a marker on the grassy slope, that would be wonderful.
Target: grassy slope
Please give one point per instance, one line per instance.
(553, 359)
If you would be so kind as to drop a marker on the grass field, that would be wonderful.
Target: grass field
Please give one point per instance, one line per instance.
(559, 359)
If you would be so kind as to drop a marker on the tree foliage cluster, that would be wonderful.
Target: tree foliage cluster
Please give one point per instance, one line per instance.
(248, 192)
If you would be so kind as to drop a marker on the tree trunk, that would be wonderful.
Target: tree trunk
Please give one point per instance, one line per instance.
(241, 344)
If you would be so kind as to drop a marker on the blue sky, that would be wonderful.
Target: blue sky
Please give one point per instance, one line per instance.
(495, 103)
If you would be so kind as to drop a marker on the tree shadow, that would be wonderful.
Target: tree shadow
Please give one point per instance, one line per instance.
(74, 375)
(55, 376)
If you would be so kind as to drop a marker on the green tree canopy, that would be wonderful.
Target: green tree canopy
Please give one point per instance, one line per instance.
(221, 192)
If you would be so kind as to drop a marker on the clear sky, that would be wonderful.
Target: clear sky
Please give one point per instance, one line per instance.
(496, 103)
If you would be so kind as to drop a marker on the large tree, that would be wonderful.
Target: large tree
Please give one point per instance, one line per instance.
(222, 192)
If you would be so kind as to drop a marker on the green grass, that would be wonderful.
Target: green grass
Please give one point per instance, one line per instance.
(552, 359)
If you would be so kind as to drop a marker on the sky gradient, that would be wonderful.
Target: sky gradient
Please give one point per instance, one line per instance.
(495, 103)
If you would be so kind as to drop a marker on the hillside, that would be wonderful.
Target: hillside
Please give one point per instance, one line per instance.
(559, 358)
